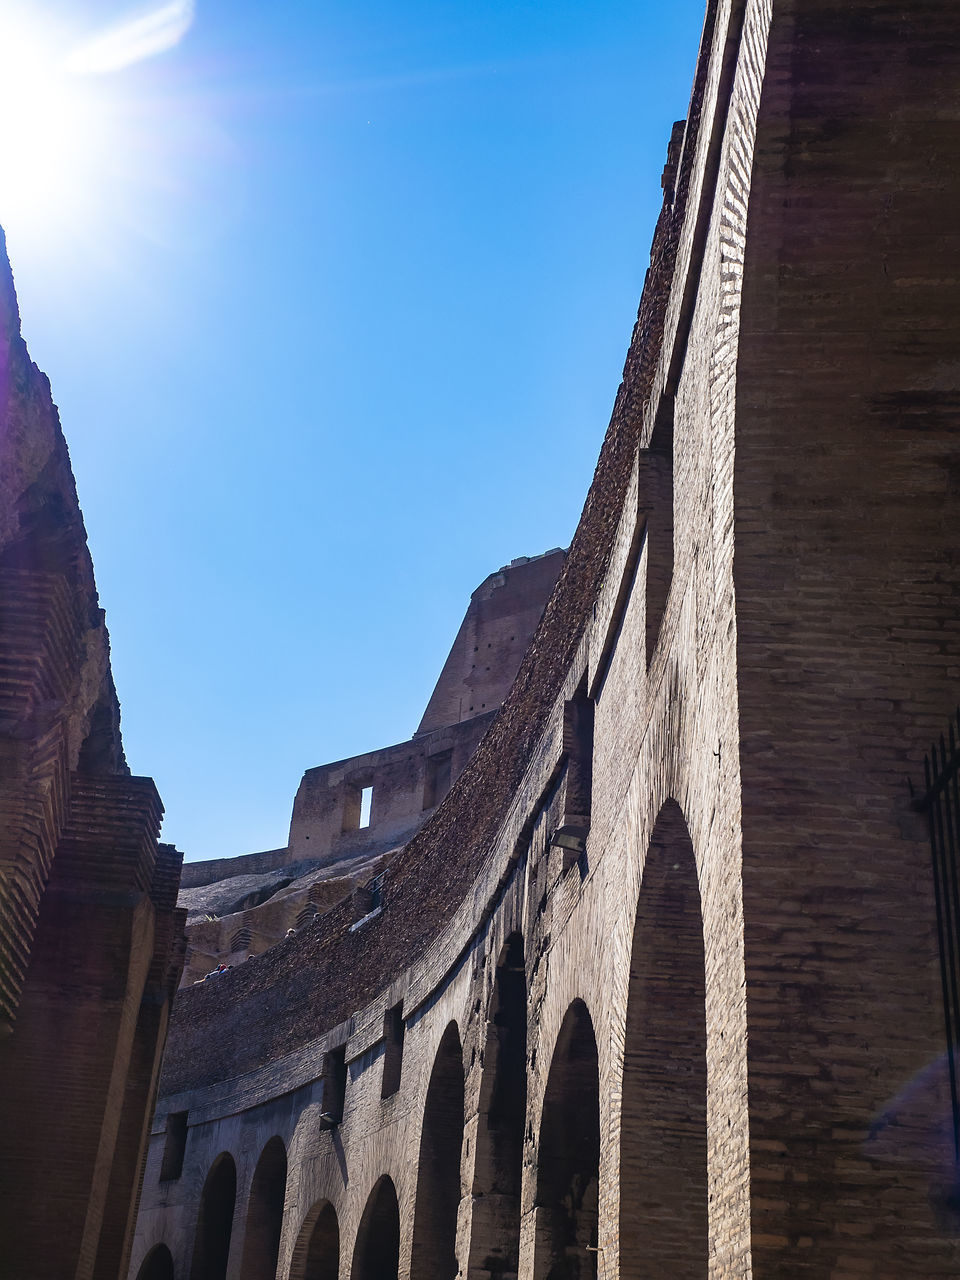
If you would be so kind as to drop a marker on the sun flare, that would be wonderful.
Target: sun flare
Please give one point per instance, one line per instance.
(53, 134)
(64, 129)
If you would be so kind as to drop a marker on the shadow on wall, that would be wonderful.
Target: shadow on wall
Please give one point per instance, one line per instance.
(157, 1265)
(495, 1236)
(215, 1221)
(568, 1162)
(316, 1255)
(376, 1255)
(261, 1245)
(438, 1182)
(663, 1151)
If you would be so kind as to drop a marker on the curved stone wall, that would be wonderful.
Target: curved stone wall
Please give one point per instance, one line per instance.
(427, 884)
(677, 849)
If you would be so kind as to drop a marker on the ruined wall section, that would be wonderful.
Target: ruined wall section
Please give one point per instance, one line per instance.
(404, 781)
(659, 712)
(350, 816)
(91, 943)
(58, 708)
(493, 637)
(425, 885)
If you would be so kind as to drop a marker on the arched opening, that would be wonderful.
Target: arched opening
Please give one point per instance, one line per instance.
(663, 1144)
(261, 1245)
(316, 1255)
(495, 1233)
(211, 1248)
(568, 1158)
(376, 1255)
(438, 1177)
(157, 1265)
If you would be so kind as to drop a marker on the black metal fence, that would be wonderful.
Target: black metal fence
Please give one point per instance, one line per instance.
(942, 805)
(376, 891)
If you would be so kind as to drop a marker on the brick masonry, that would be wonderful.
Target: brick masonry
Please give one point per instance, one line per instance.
(91, 941)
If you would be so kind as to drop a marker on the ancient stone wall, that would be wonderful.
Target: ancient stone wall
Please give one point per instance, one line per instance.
(91, 942)
(352, 816)
(655, 991)
(504, 612)
(848, 605)
(403, 784)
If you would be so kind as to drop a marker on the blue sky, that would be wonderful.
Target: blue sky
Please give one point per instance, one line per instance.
(335, 331)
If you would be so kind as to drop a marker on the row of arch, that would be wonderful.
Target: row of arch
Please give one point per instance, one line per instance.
(663, 1227)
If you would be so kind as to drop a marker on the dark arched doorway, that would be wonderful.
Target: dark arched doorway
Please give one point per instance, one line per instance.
(568, 1156)
(663, 1143)
(438, 1176)
(157, 1265)
(211, 1247)
(376, 1254)
(261, 1245)
(495, 1233)
(316, 1255)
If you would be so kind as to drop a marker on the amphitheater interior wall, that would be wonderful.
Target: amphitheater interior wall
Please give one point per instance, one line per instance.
(686, 1004)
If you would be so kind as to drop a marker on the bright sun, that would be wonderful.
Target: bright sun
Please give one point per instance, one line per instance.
(53, 135)
(61, 131)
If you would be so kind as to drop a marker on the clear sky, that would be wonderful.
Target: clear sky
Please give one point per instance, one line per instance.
(334, 297)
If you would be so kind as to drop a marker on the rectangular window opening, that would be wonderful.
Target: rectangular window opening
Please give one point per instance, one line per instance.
(175, 1146)
(438, 778)
(334, 1085)
(574, 827)
(393, 1028)
(656, 480)
(366, 800)
(357, 804)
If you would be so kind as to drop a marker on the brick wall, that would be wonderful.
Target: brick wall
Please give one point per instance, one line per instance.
(848, 588)
(90, 941)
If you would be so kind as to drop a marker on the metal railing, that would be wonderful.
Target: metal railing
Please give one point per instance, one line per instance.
(942, 805)
(375, 887)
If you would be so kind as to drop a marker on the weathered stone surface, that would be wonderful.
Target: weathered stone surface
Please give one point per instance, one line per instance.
(91, 943)
(504, 612)
(224, 897)
(406, 782)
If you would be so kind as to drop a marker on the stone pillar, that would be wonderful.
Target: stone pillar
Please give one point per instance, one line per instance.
(126, 1176)
(64, 1069)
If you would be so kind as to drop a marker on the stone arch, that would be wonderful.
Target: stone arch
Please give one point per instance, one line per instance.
(261, 1242)
(376, 1254)
(568, 1156)
(316, 1255)
(157, 1265)
(663, 1137)
(434, 1254)
(211, 1246)
(495, 1232)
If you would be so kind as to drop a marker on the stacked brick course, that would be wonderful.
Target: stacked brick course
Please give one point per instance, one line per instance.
(91, 942)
